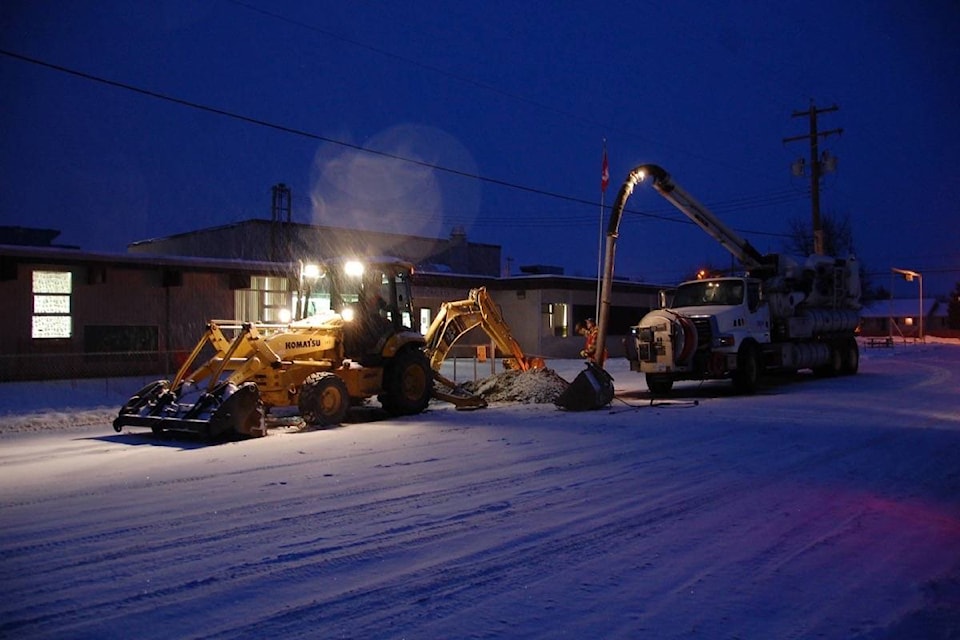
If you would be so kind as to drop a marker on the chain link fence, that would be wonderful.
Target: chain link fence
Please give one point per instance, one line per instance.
(64, 366)
(464, 362)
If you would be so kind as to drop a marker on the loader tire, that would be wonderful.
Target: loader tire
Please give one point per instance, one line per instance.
(407, 383)
(324, 399)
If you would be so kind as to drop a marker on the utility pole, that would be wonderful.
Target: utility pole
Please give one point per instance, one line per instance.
(817, 165)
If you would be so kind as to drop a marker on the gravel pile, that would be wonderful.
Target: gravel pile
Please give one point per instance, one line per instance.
(531, 386)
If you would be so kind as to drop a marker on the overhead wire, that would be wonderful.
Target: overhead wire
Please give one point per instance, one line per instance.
(738, 204)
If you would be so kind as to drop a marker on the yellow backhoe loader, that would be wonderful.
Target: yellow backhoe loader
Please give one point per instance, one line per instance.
(355, 342)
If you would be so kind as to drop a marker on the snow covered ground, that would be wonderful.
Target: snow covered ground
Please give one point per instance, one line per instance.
(819, 508)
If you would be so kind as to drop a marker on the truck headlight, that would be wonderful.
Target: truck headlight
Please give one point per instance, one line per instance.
(726, 341)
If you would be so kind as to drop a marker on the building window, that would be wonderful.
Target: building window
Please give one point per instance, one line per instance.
(52, 291)
(555, 319)
(426, 317)
(267, 300)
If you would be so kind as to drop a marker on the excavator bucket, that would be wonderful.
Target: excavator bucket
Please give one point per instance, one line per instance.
(591, 389)
(449, 391)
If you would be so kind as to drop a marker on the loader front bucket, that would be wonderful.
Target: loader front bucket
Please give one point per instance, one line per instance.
(591, 389)
(227, 410)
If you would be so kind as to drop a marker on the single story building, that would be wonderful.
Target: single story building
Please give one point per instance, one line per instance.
(72, 313)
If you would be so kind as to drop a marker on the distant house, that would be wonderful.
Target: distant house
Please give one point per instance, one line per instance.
(900, 317)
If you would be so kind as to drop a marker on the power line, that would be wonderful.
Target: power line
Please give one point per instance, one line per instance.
(755, 200)
(448, 74)
(603, 125)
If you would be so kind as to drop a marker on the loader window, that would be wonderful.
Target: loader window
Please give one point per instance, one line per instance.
(52, 301)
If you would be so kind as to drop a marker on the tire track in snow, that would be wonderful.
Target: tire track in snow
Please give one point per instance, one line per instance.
(130, 557)
(476, 531)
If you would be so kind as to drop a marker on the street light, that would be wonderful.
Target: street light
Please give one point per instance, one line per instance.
(909, 275)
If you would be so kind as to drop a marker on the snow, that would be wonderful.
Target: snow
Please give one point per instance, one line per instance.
(818, 508)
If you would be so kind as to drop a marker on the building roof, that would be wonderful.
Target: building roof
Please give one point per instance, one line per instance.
(898, 308)
(61, 255)
(277, 241)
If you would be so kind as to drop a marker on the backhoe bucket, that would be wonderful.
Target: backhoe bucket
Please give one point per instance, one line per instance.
(591, 389)
(449, 391)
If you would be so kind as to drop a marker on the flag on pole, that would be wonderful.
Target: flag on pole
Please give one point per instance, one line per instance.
(604, 172)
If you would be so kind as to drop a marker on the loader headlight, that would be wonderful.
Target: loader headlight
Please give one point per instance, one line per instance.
(347, 314)
(310, 271)
(353, 268)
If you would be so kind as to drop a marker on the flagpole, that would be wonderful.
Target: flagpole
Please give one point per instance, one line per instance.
(604, 180)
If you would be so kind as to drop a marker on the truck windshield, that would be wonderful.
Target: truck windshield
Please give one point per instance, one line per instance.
(706, 292)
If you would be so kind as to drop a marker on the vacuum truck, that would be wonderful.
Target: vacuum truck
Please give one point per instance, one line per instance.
(783, 314)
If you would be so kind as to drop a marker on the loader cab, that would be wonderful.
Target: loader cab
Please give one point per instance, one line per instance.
(380, 291)
(352, 289)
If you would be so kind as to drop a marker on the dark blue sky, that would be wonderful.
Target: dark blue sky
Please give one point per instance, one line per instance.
(520, 94)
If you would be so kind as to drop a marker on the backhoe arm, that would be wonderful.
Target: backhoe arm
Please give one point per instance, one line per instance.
(458, 318)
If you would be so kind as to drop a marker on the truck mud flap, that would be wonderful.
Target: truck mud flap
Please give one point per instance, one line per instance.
(591, 389)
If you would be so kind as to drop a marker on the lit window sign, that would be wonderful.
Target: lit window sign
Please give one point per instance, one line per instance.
(51, 326)
(51, 304)
(52, 282)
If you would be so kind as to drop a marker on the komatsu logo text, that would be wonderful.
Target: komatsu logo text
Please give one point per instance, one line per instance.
(313, 343)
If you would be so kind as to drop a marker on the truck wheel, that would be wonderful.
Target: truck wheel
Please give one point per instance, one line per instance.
(747, 375)
(851, 357)
(834, 365)
(659, 385)
(324, 399)
(407, 383)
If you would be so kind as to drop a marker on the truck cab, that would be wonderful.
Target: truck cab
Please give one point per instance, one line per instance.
(714, 328)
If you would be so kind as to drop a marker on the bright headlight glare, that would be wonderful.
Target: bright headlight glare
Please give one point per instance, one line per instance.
(311, 271)
(353, 268)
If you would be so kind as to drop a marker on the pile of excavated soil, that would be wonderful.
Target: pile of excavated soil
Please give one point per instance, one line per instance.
(531, 386)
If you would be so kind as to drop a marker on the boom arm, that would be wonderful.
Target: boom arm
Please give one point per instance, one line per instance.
(678, 197)
(704, 218)
(478, 310)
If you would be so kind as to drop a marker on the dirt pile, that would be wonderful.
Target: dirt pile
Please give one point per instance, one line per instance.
(532, 386)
